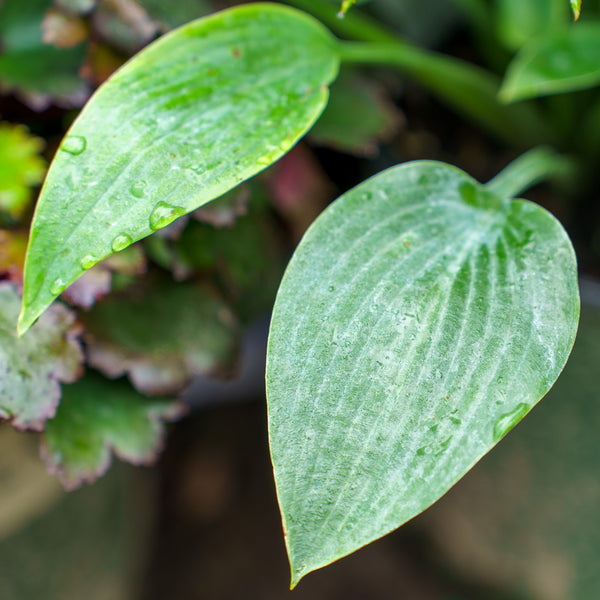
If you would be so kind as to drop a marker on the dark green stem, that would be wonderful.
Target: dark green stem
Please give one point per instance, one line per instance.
(527, 170)
(469, 89)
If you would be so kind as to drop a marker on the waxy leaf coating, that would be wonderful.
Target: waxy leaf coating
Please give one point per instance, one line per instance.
(190, 117)
(420, 319)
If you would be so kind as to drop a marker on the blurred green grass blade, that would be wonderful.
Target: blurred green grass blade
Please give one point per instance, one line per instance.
(190, 117)
(560, 62)
(420, 319)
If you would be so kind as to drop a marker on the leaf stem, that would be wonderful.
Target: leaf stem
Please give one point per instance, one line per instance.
(470, 90)
(527, 170)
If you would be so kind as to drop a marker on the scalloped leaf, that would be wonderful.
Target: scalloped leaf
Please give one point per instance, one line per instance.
(160, 335)
(420, 319)
(190, 117)
(98, 418)
(32, 366)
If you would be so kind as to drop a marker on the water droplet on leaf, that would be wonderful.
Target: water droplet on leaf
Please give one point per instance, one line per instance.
(121, 242)
(163, 214)
(138, 189)
(58, 286)
(88, 261)
(74, 144)
(507, 421)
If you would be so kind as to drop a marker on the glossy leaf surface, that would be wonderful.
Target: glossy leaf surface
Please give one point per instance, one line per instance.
(419, 320)
(190, 117)
(563, 61)
(32, 367)
(97, 417)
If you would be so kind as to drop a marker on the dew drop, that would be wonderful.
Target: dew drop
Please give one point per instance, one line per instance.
(507, 421)
(58, 286)
(332, 288)
(138, 189)
(74, 144)
(163, 214)
(121, 242)
(264, 161)
(88, 261)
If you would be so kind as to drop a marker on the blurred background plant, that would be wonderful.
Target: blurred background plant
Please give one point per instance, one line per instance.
(163, 324)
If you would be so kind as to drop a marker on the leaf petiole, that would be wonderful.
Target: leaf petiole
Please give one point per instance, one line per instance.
(527, 170)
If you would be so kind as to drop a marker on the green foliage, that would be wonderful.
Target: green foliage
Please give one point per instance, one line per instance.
(180, 96)
(423, 314)
(562, 61)
(32, 366)
(518, 22)
(429, 315)
(38, 71)
(20, 168)
(338, 127)
(97, 418)
(160, 335)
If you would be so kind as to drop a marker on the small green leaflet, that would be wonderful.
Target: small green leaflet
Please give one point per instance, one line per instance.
(564, 60)
(576, 8)
(190, 117)
(346, 6)
(420, 318)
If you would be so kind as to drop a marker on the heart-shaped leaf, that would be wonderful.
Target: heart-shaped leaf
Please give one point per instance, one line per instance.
(190, 117)
(562, 61)
(421, 317)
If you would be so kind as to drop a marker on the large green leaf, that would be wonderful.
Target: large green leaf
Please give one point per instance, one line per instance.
(562, 61)
(421, 317)
(193, 115)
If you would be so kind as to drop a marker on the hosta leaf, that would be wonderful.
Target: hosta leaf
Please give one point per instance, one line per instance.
(560, 62)
(160, 335)
(193, 115)
(97, 418)
(32, 366)
(420, 319)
